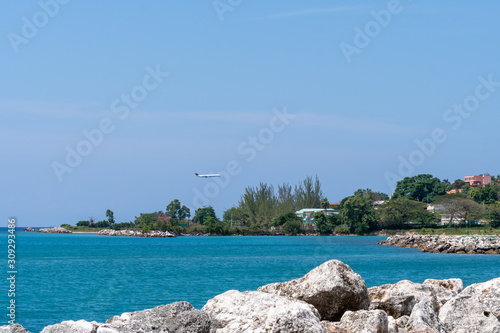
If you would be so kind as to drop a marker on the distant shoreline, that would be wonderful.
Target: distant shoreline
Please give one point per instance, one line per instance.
(494, 233)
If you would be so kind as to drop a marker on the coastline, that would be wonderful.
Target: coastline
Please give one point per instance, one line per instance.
(377, 233)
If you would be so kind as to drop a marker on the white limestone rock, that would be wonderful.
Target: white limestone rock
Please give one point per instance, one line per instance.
(254, 311)
(476, 309)
(70, 326)
(425, 316)
(332, 288)
(397, 325)
(365, 321)
(170, 318)
(444, 290)
(16, 328)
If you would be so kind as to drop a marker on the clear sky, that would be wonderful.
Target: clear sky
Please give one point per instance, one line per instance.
(116, 104)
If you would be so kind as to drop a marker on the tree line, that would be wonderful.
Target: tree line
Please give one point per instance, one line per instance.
(266, 209)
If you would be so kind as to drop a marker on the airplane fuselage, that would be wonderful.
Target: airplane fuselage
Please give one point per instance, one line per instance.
(208, 175)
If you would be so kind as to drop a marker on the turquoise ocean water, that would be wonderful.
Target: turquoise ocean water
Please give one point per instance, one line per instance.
(85, 276)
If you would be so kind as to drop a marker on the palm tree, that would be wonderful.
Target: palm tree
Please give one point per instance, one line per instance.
(325, 204)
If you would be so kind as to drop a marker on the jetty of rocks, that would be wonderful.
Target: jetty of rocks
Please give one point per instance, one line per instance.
(135, 233)
(447, 244)
(330, 298)
(54, 230)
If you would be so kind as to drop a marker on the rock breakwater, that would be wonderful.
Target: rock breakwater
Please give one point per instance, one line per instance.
(330, 298)
(135, 233)
(446, 244)
(54, 230)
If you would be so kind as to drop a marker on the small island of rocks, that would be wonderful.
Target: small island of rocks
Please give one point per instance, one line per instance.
(447, 244)
(135, 233)
(53, 230)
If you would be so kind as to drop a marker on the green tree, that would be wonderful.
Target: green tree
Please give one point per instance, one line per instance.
(395, 213)
(161, 225)
(419, 188)
(111, 217)
(176, 211)
(202, 215)
(234, 216)
(82, 224)
(285, 199)
(123, 225)
(459, 207)
(325, 204)
(282, 219)
(145, 219)
(359, 214)
(493, 215)
(259, 204)
(334, 219)
(102, 224)
(487, 194)
(292, 227)
(458, 184)
(308, 193)
(146, 229)
(374, 196)
(323, 226)
(214, 226)
(262, 204)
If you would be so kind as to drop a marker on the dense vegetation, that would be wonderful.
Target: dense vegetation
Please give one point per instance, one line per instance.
(269, 210)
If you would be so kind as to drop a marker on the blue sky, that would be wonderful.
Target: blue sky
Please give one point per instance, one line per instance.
(263, 91)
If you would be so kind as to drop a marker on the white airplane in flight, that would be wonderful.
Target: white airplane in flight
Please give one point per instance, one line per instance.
(208, 175)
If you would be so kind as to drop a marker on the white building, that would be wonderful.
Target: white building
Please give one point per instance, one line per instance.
(306, 214)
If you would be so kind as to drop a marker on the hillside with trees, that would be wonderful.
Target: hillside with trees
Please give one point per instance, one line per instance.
(271, 210)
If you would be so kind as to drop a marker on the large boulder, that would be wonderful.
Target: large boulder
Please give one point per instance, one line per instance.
(331, 327)
(365, 321)
(254, 311)
(397, 325)
(425, 316)
(16, 328)
(70, 326)
(475, 309)
(444, 290)
(332, 288)
(399, 299)
(170, 318)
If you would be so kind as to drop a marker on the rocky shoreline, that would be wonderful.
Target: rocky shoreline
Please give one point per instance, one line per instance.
(135, 233)
(447, 244)
(330, 298)
(53, 230)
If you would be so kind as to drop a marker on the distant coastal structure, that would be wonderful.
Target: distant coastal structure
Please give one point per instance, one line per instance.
(306, 214)
(475, 181)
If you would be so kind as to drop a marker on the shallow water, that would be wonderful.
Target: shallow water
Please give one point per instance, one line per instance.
(85, 276)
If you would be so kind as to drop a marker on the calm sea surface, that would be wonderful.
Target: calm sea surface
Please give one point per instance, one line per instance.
(85, 276)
